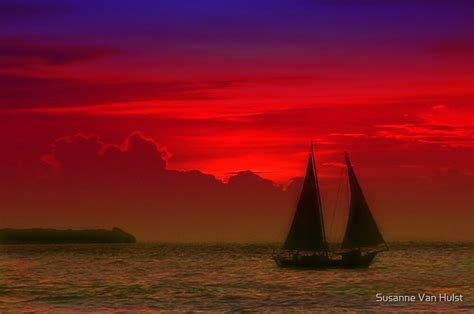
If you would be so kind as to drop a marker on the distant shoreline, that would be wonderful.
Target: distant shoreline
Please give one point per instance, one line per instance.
(6, 233)
(69, 236)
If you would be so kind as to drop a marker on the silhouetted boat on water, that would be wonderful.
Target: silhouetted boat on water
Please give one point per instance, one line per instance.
(306, 245)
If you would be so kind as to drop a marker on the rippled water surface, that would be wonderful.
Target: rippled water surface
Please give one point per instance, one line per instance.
(154, 277)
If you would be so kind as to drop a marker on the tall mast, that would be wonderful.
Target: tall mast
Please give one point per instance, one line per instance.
(319, 197)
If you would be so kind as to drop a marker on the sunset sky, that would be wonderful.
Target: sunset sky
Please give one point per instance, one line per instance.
(191, 120)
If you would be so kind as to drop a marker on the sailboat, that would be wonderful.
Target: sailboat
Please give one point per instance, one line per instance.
(306, 245)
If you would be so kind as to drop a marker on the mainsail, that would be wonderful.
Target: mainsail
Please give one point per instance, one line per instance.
(307, 230)
(361, 230)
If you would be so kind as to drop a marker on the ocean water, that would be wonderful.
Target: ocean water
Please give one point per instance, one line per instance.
(231, 277)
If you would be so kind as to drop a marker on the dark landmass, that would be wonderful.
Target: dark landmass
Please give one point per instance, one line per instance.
(50, 236)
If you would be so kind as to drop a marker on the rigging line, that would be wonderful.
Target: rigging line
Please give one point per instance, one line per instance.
(336, 203)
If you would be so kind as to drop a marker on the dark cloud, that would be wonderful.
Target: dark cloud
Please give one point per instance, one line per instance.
(86, 156)
(89, 183)
(33, 92)
(25, 51)
(15, 10)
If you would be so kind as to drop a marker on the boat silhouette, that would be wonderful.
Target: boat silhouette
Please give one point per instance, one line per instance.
(306, 245)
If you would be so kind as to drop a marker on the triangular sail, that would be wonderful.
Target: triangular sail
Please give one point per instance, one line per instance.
(361, 230)
(307, 230)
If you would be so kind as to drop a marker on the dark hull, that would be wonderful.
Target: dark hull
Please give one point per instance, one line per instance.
(323, 262)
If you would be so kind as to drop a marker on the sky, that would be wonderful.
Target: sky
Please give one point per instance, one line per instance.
(191, 120)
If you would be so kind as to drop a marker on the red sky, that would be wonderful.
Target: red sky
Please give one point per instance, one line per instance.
(235, 93)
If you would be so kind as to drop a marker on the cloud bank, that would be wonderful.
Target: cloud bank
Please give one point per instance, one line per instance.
(89, 183)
